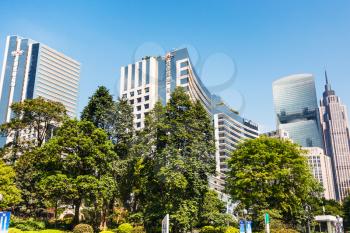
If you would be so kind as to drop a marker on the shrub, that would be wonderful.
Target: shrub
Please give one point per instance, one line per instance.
(106, 232)
(138, 229)
(285, 230)
(231, 230)
(51, 231)
(125, 228)
(83, 228)
(27, 224)
(210, 229)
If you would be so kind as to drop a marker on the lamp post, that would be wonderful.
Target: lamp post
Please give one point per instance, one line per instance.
(307, 210)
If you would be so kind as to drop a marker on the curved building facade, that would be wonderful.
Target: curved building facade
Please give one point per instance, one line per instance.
(296, 109)
(154, 78)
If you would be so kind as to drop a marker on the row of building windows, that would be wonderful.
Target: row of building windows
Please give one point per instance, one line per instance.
(132, 93)
(138, 108)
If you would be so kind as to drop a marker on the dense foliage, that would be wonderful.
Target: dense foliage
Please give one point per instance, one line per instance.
(111, 175)
(269, 173)
(177, 159)
(33, 122)
(11, 195)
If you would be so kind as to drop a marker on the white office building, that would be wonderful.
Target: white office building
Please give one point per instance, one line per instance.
(31, 69)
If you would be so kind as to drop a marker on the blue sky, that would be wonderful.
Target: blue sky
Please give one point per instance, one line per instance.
(250, 42)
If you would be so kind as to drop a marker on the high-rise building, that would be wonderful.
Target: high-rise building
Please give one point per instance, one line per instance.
(321, 168)
(31, 69)
(296, 109)
(334, 121)
(230, 129)
(154, 78)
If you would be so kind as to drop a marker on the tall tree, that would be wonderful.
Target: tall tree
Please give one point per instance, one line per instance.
(123, 128)
(269, 173)
(176, 162)
(100, 109)
(32, 123)
(85, 158)
(11, 195)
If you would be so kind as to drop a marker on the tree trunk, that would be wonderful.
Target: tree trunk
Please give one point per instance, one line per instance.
(56, 206)
(76, 204)
(103, 218)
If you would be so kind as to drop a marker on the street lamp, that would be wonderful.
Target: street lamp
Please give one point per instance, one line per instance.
(307, 209)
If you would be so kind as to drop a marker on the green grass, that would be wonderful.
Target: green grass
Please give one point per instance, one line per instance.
(14, 230)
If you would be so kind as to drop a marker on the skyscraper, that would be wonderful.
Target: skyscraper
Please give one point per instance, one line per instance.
(334, 121)
(154, 78)
(296, 109)
(31, 69)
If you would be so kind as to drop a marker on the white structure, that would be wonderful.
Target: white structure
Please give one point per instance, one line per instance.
(321, 168)
(329, 224)
(154, 78)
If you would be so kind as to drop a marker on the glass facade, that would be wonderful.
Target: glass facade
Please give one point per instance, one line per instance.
(296, 109)
(30, 70)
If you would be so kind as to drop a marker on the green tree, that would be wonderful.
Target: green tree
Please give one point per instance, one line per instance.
(11, 195)
(213, 211)
(84, 154)
(176, 162)
(269, 173)
(100, 109)
(34, 117)
(56, 189)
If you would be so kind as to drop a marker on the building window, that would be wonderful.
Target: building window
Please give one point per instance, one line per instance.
(139, 100)
(139, 92)
(146, 97)
(132, 94)
(183, 72)
(146, 89)
(184, 81)
(184, 64)
(138, 124)
(138, 108)
(138, 116)
(131, 101)
(125, 96)
(146, 106)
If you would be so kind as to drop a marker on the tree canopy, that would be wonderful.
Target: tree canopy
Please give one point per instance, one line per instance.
(32, 124)
(11, 195)
(269, 173)
(177, 160)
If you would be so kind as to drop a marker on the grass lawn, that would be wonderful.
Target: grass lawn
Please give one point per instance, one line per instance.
(14, 230)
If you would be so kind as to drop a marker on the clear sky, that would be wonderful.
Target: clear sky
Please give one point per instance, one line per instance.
(251, 43)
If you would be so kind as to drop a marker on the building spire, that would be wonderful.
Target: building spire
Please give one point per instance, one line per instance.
(328, 88)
